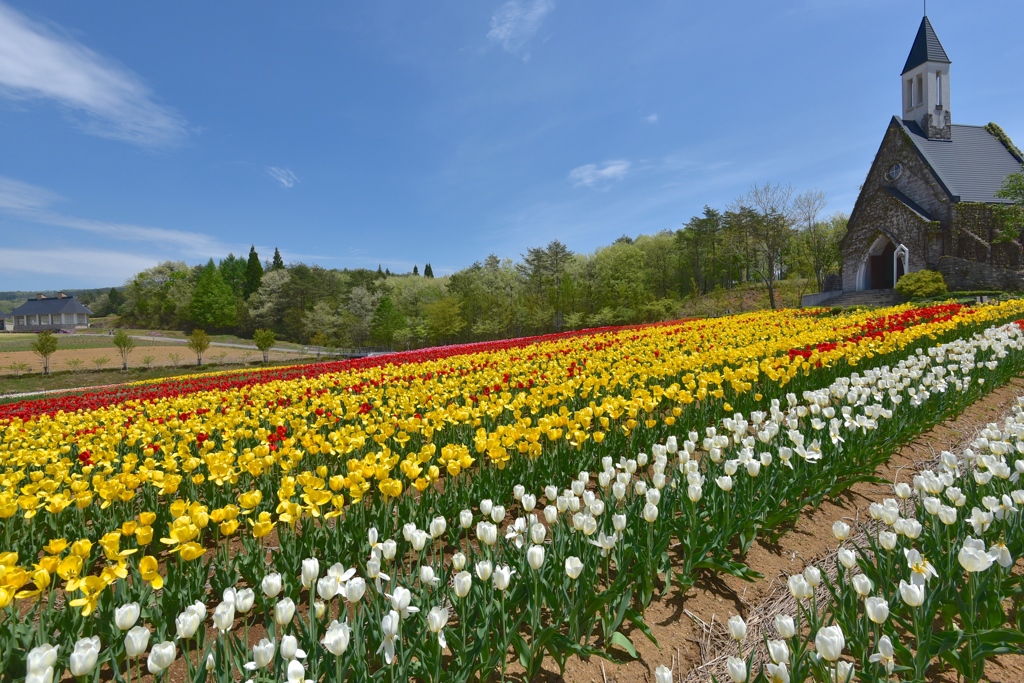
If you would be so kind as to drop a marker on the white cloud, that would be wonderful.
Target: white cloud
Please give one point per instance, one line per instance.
(36, 63)
(285, 176)
(95, 266)
(592, 174)
(32, 203)
(516, 22)
(653, 118)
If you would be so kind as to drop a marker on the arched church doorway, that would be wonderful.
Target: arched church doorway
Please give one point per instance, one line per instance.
(883, 265)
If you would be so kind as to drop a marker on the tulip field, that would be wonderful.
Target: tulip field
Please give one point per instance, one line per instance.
(453, 513)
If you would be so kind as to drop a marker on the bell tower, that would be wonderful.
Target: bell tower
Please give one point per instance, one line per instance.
(925, 85)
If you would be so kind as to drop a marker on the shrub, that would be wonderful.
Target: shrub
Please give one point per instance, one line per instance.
(921, 284)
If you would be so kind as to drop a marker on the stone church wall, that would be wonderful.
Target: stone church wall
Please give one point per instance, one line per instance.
(963, 275)
(975, 231)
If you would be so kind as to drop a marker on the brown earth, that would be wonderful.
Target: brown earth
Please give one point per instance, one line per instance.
(161, 357)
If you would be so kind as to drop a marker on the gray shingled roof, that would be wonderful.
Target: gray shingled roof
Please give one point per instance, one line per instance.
(926, 48)
(49, 306)
(972, 165)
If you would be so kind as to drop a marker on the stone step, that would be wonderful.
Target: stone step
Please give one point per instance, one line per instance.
(868, 297)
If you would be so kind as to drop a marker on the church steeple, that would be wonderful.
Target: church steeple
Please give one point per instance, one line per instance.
(925, 84)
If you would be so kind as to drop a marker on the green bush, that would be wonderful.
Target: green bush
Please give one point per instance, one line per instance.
(923, 283)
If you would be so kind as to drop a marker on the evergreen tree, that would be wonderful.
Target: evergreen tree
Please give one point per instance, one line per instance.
(115, 298)
(415, 269)
(386, 322)
(253, 273)
(387, 271)
(278, 263)
(379, 271)
(428, 271)
(213, 302)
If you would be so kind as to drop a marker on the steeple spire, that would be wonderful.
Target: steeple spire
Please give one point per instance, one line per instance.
(926, 48)
(925, 84)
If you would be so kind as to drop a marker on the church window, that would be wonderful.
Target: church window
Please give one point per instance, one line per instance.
(938, 88)
(920, 90)
(910, 92)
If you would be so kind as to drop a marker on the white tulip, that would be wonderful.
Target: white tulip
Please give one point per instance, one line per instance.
(262, 654)
(777, 673)
(224, 616)
(327, 587)
(437, 619)
(419, 538)
(650, 513)
(663, 675)
(389, 627)
(354, 589)
(463, 582)
(973, 557)
(271, 585)
(290, 648)
(296, 672)
(244, 600)
(498, 514)
(388, 549)
(884, 656)
(785, 626)
(813, 576)
(466, 519)
(862, 585)
(484, 569)
(799, 587)
(778, 651)
(310, 571)
(877, 609)
(841, 530)
(573, 566)
(438, 526)
(847, 558)
(187, 623)
(487, 533)
(162, 656)
(737, 628)
(284, 610)
(535, 557)
(737, 668)
(529, 502)
(401, 602)
(336, 638)
(125, 616)
(136, 641)
(911, 594)
(550, 514)
(724, 483)
(503, 577)
(84, 657)
(830, 642)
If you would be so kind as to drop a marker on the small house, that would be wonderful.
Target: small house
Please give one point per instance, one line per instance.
(61, 313)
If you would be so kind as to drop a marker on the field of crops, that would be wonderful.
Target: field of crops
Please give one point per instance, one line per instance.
(442, 514)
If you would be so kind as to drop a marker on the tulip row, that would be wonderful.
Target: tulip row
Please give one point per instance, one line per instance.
(563, 585)
(930, 585)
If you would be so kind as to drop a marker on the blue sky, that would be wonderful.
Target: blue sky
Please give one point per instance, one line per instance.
(352, 134)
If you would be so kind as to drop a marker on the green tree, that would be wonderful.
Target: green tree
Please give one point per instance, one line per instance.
(278, 262)
(415, 269)
(1011, 217)
(387, 321)
(253, 273)
(320, 342)
(44, 346)
(264, 340)
(115, 299)
(443, 319)
(213, 302)
(769, 220)
(198, 342)
(232, 270)
(125, 345)
(428, 271)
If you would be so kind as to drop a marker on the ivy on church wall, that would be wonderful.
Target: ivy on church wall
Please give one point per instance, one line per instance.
(982, 233)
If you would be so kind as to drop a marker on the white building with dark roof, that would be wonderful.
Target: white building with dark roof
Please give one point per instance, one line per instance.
(57, 313)
(929, 200)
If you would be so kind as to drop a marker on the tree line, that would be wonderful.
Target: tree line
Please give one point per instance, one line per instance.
(767, 235)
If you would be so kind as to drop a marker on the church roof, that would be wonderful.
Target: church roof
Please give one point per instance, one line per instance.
(926, 48)
(971, 165)
(910, 204)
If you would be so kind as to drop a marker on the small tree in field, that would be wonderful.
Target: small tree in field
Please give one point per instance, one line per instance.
(44, 346)
(265, 340)
(198, 342)
(125, 345)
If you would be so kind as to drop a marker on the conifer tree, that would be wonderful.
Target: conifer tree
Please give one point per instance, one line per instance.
(253, 273)
(415, 269)
(428, 271)
(278, 263)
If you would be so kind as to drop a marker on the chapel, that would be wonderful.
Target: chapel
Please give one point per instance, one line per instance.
(929, 200)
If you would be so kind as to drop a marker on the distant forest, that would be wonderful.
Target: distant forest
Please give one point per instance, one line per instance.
(769, 234)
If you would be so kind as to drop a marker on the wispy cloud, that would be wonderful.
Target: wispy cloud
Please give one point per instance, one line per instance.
(32, 204)
(92, 266)
(653, 118)
(590, 175)
(109, 100)
(285, 176)
(514, 23)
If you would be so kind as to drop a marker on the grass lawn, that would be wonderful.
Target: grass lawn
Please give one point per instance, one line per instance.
(10, 343)
(178, 334)
(83, 380)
